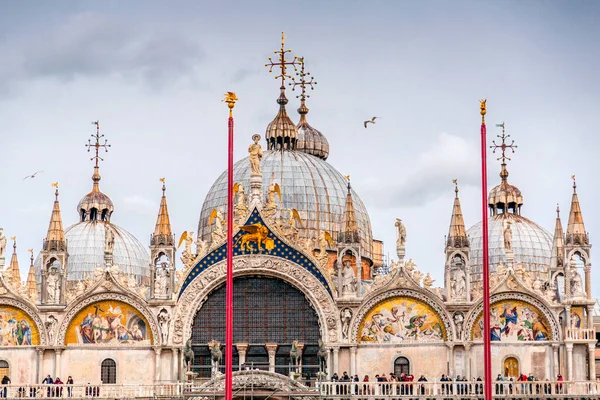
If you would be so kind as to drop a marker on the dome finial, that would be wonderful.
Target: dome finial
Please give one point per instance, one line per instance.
(303, 83)
(557, 210)
(96, 177)
(281, 133)
(455, 181)
(503, 147)
(574, 184)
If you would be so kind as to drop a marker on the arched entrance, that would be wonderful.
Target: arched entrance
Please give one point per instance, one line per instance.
(511, 367)
(4, 369)
(108, 371)
(401, 366)
(265, 311)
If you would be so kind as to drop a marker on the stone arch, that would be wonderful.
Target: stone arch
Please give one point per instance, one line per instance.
(75, 308)
(371, 303)
(538, 304)
(401, 355)
(269, 266)
(5, 301)
(259, 380)
(511, 355)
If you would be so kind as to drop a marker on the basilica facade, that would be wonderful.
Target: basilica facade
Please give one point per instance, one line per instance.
(309, 281)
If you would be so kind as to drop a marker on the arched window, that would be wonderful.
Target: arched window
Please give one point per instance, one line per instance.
(401, 366)
(108, 371)
(4, 369)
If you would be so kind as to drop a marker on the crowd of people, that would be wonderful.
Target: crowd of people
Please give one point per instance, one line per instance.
(54, 388)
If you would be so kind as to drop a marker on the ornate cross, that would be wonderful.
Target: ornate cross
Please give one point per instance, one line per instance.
(302, 82)
(503, 146)
(97, 144)
(282, 63)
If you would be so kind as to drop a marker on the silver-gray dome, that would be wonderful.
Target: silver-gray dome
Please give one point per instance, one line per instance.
(531, 244)
(308, 184)
(86, 244)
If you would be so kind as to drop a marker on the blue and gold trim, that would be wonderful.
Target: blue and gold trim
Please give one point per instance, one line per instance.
(281, 250)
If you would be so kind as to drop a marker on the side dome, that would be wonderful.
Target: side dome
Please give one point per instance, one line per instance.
(308, 183)
(310, 140)
(531, 245)
(86, 244)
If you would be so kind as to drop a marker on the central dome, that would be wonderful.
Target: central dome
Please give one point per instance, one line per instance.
(308, 183)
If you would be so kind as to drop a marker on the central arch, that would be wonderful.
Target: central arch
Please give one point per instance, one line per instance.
(266, 311)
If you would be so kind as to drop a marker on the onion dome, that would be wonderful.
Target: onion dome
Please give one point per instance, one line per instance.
(95, 206)
(281, 133)
(310, 140)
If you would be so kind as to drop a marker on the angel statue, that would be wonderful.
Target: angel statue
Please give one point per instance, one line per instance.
(270, 208)
(240, 208)
(324, 239)
(428, 281)
(218, 232)
(256, 154)
(291, 233)
(187, 256)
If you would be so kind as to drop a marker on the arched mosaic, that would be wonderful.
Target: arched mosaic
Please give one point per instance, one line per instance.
(17, 328)
(400, 318)
(514, 318)
(107, 320)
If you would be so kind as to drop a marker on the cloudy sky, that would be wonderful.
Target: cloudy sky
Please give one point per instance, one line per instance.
(154, 77)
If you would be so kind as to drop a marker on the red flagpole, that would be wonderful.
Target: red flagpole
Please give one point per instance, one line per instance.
(229, 284)
(487, 344)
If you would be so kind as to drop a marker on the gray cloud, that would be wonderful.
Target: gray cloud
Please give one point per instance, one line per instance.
(90, 44)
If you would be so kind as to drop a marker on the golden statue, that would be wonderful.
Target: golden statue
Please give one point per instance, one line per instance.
(256, 233)
(256, 154)
(482, 108)
(230, 99)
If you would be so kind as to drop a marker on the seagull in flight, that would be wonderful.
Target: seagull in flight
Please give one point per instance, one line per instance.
(370, 121)
(33, 175)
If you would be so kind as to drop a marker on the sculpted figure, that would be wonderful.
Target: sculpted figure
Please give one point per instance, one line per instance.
(417, 275)
(295, 356)
(508, 237)
(348, 279)
(53, 286)
(2, 242)
(409, 266)
(346, 316)
(459, 319)
(109, 239)
(51, 325)
(256, 154)
(215, 356)
(427, 281)
(218, 233)
(400, 234)
(188, 353)
(270, 207)
(164, 319)
(322, 356)
(240, 208)
(163, 280)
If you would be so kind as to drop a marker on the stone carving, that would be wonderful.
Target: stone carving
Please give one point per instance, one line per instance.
(459, 320)
(459, 279)
(576, 284)
(218, 233)
(400, 234)
(215, 357)
(164, 320)
(51, 324)
(508, 237)
(53, 286)
(2, 243)
(409, 266)
(346, 316)
(427, 281)
(324, 239)
(265, 265)
(259, 380)
(241, 208)
(188, 355)
(270, 207)
(162, 281)
(256, 154)
(349, 281)
(291, 231)
(109, 239)
(322, 357)
(417, 275)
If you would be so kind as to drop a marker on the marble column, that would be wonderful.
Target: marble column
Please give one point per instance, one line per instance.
(352, 361)
(40, 361)
(175, 362)
(271, 349)
(592, 361)
(358, 275)
(336, 358)
(450, 358)
(57, 354)
(329, 373)
(468, 360)
(181, 369)
(588, 281)
(590, 317)
(568, 317)
(569, 361)
(242, 348)
(555, 369)
(157, 351)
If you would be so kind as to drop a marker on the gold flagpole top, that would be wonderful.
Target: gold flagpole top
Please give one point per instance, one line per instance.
(482, 110)
(230, 99)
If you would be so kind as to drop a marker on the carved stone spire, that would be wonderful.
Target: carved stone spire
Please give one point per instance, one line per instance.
(163, 235)
(15, 274)
(55, 238)
(557, 258)
(576, 233)
(457, 235)
(350, 232)
(32, 292)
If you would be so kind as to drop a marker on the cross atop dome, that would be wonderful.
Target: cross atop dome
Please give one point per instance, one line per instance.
(97, 146)
(282, 63)
(503, 148)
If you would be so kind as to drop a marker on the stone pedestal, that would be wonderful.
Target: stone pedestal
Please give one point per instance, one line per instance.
(401, 252)
(510, 258)
(242, 348)
(2, 262)
(271, 350)
(256, 195)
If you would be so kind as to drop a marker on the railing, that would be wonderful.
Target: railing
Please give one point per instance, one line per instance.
(460, 390)
(171, 390)
(580, 334)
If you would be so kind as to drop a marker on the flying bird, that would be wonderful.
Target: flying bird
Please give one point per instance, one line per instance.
(33, 175)
(370, 121)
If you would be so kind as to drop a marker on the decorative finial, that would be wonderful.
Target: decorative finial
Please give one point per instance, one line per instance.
(14, 239)
(503, 147)
(574, 184)
(302, 81)
(455, 181)
(230, 99)
(55, 185)
(164, 188)
(282, 63)
(31, 256)
(96, 144)
(557, 210)
(482, 110)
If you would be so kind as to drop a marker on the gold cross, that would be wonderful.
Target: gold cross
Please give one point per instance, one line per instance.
(503, 146)
(97, 144)
(282, 63)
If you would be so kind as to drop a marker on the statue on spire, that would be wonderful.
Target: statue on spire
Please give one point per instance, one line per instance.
(256, 154)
